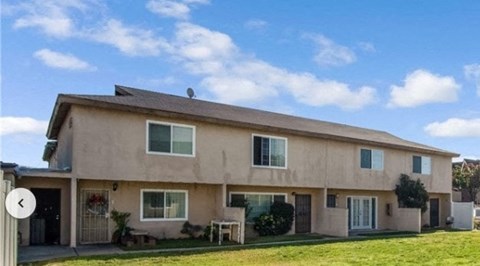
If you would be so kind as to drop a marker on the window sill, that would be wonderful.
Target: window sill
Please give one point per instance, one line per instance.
(170, 154)
(269, 167)
(370, 169)
(163, 219)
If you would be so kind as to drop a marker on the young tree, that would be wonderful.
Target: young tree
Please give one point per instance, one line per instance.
(411, 193)
(467, 177)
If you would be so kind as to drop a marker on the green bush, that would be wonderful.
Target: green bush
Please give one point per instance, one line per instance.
(191, 229)
(121, 225)
(208, 229)
(278, 222)
(477, 224)
(411, 193)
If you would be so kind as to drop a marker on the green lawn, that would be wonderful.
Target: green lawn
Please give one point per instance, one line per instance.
(437, 248)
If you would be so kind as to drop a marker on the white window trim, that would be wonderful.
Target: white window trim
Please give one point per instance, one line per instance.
(256, 193)
(163, 219)
(171, 153)
(269, 166)
(422, 172)
(364, 197)
(371, 159)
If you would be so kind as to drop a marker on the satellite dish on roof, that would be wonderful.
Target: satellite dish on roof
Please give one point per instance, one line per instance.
(190, 93)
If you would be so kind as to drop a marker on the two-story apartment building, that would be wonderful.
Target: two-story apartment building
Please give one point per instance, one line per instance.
(169, 159)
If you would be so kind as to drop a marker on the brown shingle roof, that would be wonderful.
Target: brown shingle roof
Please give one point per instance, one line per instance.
(135, 100)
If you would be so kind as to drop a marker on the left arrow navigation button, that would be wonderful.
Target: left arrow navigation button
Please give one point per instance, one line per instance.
(20, 203)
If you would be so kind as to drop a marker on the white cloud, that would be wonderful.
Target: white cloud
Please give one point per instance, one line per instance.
(197, 43)
(222, 67)
(233, 77)
(256, 24)
(58, 18)
(169, 8)
(422, 87)
(64, 61)
(175, 9)
(50, 16)
(22, 125)
(473, 72)
(367, 47)
(454, 127)
(314, 92)
(129, 40)
(331, 54)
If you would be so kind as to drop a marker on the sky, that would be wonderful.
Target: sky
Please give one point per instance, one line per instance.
(411, 68)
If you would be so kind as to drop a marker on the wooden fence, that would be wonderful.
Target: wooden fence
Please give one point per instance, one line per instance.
(8, 227)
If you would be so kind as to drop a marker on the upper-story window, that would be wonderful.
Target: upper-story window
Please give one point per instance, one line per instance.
(167, 138)
(371, 159)
(269, 151)
(422, 165)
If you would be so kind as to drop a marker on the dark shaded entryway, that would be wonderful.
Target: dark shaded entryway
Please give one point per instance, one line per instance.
(303, 213)
(434, 212)
(45, 220)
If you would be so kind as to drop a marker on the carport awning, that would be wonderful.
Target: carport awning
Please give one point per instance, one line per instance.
(43, 172)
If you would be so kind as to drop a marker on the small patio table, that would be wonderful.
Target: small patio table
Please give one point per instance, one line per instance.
(221, 224)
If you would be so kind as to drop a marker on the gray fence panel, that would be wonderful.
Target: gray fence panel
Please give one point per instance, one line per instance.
(8, 228)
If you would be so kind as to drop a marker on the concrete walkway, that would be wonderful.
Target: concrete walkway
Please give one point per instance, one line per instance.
(42, 253)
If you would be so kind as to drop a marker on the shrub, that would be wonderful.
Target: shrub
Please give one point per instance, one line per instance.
(265, 224)
(207, 230)
(121, 228)
(284, 213)
(277, 222)
(477, 224)
(411, 193)
(191, 229)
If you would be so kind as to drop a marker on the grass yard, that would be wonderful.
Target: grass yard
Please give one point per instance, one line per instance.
(436, 248)
(198, 243)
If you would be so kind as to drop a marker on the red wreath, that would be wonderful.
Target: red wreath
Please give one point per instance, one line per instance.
(96, 200)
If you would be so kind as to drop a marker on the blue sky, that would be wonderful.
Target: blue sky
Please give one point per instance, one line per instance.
(411, 68)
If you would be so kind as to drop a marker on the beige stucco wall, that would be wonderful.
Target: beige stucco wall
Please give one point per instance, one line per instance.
(112, 145)
(456, 196)
(202, 202)
(408, 219)
(62, 157)
(333, 222)
(385, 221)
(445, 209)
(45, 182)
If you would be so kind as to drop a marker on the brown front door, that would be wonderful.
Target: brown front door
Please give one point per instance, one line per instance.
(303, 213)
(434, 213)
(45, 220)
